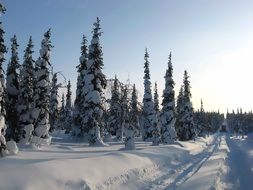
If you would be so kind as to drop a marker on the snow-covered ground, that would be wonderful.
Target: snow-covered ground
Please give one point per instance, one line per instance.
(217, 162)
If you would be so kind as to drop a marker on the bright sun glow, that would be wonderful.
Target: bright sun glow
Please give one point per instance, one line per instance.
(227, 82)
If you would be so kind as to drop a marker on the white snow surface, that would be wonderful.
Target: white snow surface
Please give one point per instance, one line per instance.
(215, 162)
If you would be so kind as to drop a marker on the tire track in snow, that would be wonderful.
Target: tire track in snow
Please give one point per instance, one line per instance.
(173, 179)
(162, 176)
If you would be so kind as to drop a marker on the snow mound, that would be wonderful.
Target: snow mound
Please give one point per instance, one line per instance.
(12, 148)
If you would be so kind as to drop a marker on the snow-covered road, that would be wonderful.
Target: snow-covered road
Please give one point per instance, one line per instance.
(240, 160)
(216, 162)
(197, 171)
(226, 163)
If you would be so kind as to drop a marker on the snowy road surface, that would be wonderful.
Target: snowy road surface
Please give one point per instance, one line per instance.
(216, 162)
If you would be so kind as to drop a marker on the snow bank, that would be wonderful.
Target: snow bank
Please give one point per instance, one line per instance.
(68, 165)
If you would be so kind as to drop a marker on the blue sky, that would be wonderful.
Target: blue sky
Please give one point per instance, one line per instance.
(212, 39)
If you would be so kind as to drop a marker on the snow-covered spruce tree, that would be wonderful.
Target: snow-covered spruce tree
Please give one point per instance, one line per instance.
(134, 112)
(114, 120)
(53, 107)
(156, 105)
(12, 91)
(2, 124)
(150, 125)
(132, 122)
(79, 100)
(3, 50)
(201, 125)
(127, 123)
(25, 99)
(94, 84)
(186, 127)
(42, 92)
(168, 117)
(156, 100)
(68, 109)
(179, 111)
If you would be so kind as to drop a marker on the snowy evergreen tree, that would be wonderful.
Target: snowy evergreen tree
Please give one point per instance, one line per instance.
(179, 111)
(132, 122)
(124, 102)
(94, 84)
(68, 109)
(2, 124)
(3, 50)
(129, 130)
(53, 107)
(126, 122)
(200, 121)
(134, 113)
(168, 118)
(79, 100)
(150, 126)
(180, 98)
(156, 100)
(12, 91)
(114, 120)
(186, 128)
(129, 133)
(42, 91)
(25, 100)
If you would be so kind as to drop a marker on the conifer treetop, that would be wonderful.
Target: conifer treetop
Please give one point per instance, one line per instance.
(201, 106)
(84, 46)
(146, 65)
(46, 46)
(187, 92)
(14, 44)
(84, 55)
(14, 54)
(28, 50)
(96, 30)
(169, 72)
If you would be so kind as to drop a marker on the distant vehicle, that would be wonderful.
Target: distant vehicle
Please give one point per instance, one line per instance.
(223, 128)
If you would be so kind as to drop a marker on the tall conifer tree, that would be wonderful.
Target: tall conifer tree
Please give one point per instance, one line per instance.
(185, 128)
(79, 100)
(3, 50)
(12, 91)
(53, 107)
(42, 92)
(25, 101)
(68, 109)
(134, 113)
(114, 120)
(150, 126)
(168, 117)
(94, 84)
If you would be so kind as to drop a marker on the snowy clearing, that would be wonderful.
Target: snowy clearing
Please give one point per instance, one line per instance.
(217, 162)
